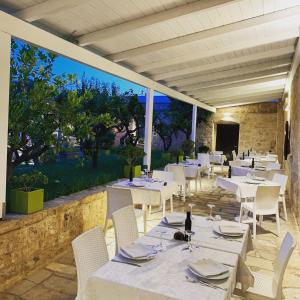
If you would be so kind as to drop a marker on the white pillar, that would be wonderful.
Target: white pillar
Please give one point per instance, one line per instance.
(148, 128)
(5, 43)
(194, 124)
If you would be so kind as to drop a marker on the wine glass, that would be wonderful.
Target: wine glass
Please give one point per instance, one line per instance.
(210, 217)
(191, 205)
(161, 247)
(189, 234)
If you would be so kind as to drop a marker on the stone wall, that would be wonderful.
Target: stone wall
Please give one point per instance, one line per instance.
(27, 242)
(258, 126)
(295, 144)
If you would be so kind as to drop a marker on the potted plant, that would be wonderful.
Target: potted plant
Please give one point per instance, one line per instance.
(203, 149)
(188, 147)
(131, 153)
(26, 197)
(178, 155)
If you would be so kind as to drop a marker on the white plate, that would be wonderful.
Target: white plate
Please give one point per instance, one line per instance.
(149, 257)
(216, 229)
(259, 178)
(217, 277)
(251, 182)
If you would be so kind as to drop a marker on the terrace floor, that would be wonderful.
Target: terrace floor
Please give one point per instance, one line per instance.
(57, 280)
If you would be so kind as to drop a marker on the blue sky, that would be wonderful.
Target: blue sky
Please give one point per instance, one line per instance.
(66, 65)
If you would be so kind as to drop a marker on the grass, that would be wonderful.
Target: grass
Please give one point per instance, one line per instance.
(68, 176)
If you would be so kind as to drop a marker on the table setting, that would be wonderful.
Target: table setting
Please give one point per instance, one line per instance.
(156, 266)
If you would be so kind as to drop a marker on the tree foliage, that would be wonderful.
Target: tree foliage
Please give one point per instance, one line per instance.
(40, 103)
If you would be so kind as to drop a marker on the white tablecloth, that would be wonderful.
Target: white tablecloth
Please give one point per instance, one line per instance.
(191, 168)
(217, 159)
(243, 171)
(164, 277)
(238, 185)
(153, 193)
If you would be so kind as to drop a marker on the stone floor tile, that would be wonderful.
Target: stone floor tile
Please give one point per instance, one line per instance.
(40, 292)
(22, 287)
(39, 275)
(6, 296)
(60, 284)
(62, 268)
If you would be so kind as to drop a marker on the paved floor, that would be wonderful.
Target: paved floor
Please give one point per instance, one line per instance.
(57, 281)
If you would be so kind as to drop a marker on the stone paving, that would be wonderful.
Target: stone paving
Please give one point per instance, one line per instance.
(57, 280)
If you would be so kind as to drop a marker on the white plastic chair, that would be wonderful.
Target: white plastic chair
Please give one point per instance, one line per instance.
(273, 166)
(234, 155)
(204, 160)
(90, 254)
(168, 177)
(282, 180)
(270, 287)
(126, 230)
(116, 198)
(265, 203)
(217, 152)
(179, 177)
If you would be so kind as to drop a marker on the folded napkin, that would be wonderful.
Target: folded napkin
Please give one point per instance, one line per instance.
(173, 220)
(208, 268)
(230, 229)
(137, 250)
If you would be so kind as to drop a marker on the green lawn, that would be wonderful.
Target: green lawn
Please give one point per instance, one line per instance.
(67, 176)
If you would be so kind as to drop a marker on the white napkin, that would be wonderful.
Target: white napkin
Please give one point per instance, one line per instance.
(208, 267)
(230, 229)
(174, 220)
(137, 250)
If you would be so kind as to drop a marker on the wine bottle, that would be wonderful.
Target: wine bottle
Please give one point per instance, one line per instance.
(252, 163)
(248, 152)
(243, 155)
(229, 172)
(188, 221)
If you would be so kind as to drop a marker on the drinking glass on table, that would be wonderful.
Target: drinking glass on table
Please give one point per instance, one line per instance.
(161, 247)
(191, 205)
(210, 217)
(189, 234)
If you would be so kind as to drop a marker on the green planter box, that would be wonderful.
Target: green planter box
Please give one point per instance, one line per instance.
(180, 158)
(166, 155)
(137, 171)
(26, 202)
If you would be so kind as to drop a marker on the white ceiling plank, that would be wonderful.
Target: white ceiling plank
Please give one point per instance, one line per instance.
(179, 11)
(238, 91)
(46, 8)
(207, 34)
(223, 105)
(290, 34)
(253, 94)
(236, 79)
(232, 72)
(241, 84)
(34, 35)
(225, 63)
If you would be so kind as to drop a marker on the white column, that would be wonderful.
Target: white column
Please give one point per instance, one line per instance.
(5, 42)
(194, 124)
(148, 128)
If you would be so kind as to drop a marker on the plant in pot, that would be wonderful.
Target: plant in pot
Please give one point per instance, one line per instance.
(27, 197)
(188, 147)
(131, 154)
(203, 149)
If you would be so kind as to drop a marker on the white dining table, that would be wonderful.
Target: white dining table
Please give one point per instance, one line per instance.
(191, 168)
(151, 192)
(242, 186)
(164, 277)
(265, 173)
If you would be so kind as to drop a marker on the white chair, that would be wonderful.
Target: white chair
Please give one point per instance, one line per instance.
(234, 156)
(265, 203)
(179, 177)
(168, 177)
(282, 180)
(126, 230)
(90, 254)
(273, 166)
(270, 287)
(203, 159)
(217, 152)
(116, 198)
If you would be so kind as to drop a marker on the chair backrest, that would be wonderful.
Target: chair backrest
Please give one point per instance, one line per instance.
(126, 230)
(282, 180)
(203, 159)
(178, 173)
(267, 197)
(163, 175)
(90, 254)
(273, 166)
(217, 152)
(286, 249)
(234, 156)
(117, 198)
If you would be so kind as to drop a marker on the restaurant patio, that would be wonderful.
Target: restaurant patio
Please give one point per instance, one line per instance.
(218, 220)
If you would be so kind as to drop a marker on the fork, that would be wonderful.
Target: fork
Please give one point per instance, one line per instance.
(193, 280)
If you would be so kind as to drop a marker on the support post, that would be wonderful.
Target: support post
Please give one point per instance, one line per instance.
(5, 44)
(148, 128)
(194, 124)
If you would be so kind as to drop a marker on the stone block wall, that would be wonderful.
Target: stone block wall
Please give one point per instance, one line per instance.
(258, 126)
(27, 242)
